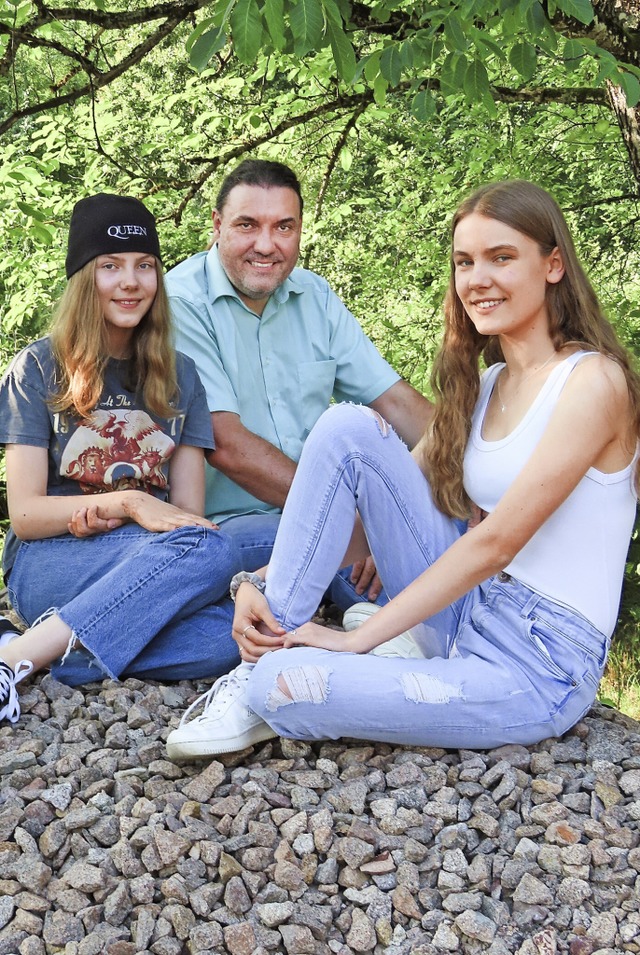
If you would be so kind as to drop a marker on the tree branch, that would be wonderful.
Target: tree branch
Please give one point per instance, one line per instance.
(109, 20)
(340, 104)
(98, 80)
(331, 165)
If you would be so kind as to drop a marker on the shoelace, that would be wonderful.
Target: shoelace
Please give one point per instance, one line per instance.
(215, 695)
(8, 681)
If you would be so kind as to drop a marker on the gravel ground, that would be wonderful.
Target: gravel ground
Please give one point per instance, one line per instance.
(331, 847)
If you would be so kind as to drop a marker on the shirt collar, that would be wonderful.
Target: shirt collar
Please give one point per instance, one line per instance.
(219, 285)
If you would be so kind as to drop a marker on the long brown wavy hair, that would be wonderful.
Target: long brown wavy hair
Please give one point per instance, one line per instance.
(80, 346)
(574, 313)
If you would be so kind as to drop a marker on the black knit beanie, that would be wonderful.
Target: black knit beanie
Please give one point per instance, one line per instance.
(108, 225)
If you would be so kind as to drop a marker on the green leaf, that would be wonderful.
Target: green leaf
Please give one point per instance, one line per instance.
(306, 24)
(483, 40)
(346, 158)
(22, 14)
(206, 47)
(573, 54)
(246, 29)
(391, 64)
(273, 11)
(406, 54)
(44, 233)
(489, 104)
(30, 210)
(341, 46)
(476, 81)
(578, 9)
(423, 105)
(372, 65)
(454, 33)
(631, 88)
(343, 53)
(452, 75)
(203, 27)
(535, 19)
(524, 59)
(380, 89)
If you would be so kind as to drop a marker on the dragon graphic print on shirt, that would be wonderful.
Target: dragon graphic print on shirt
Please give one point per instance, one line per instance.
(117, 450)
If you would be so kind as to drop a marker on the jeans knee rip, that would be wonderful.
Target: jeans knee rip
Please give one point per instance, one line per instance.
(92, 660)
(306, 684)
(384, 426)
(426, 688)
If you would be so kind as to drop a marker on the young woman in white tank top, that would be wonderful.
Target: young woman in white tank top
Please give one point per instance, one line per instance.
(514, 616)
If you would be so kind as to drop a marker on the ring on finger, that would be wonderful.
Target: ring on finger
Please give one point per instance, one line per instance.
(249, 627)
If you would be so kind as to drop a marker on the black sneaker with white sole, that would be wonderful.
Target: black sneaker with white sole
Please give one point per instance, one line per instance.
(9, 679)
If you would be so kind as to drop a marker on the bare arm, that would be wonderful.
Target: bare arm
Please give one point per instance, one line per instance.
(589, 428)
(253, 463)
(186, 478)
(35, 515)
(406, 409)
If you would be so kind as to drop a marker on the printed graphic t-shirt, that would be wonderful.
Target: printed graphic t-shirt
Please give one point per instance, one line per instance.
(119, 446)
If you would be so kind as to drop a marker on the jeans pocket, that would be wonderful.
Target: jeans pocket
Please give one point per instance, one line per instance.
(563, 653)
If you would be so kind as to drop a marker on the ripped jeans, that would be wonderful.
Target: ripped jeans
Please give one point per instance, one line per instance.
(504, 664)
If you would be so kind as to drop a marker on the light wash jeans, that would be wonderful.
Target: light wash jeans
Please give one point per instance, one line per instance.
(254, 535)
(141, 604)
(506, 665)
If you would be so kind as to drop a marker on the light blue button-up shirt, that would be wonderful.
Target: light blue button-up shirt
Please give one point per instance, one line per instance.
(277, 371)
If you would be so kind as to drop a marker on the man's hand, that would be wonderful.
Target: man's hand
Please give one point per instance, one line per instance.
(363, 576)
(477, 516)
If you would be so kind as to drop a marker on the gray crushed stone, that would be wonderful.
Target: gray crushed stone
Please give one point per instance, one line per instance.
(326, 848)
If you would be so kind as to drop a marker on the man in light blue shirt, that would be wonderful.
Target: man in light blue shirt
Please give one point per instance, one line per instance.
(273, 344)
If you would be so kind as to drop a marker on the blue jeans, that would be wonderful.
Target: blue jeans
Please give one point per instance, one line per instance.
(139, 603)
(504, 664)
(254, 535)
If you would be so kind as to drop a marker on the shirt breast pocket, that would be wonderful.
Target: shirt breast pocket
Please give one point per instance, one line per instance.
(316, 381)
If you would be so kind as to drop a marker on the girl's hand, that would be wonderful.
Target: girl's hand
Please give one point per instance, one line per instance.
(313, 635)
(155, 515)
(86, 522)
(255, 629)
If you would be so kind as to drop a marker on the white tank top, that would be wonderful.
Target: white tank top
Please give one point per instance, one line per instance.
(578, 555)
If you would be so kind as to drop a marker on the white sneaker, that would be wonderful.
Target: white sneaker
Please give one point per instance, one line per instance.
(226, 723)
(403, 645)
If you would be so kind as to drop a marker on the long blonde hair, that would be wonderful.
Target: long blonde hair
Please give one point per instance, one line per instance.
(574, 313)
(80, 346)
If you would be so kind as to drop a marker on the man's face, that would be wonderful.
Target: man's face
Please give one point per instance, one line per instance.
(258, 236)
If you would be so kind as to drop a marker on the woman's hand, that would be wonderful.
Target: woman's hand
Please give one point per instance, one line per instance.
(313, 635)
(155, 515)
(86, 522)
(255, 629)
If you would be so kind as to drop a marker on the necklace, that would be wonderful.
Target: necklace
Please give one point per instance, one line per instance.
(503, 407)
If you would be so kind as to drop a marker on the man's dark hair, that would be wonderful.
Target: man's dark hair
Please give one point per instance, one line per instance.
(259, 172)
